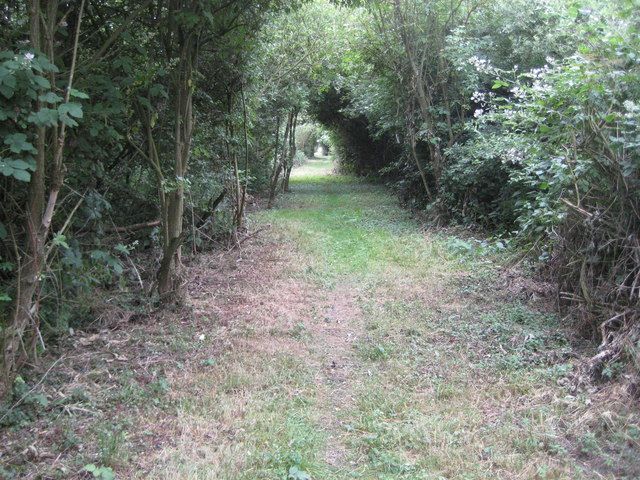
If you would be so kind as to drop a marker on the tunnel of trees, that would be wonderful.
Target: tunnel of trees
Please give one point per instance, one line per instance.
(135, 135)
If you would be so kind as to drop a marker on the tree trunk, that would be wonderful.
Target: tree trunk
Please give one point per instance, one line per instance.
(245, 186)
(279, 160)
(38, 217)
(292, 154)
(232, 154)
(170, 269)
(422, 93)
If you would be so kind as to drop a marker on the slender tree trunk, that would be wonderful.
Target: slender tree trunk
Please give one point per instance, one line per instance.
(38, 217)
(232, 154)
(422, 93)
(245, 186)
(411, 134)
(292, 154)
(278, 160)
(414, 155)
(282, 162)
(170, 266)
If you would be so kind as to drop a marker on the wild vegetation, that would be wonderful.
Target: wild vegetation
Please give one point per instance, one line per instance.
(148, 153)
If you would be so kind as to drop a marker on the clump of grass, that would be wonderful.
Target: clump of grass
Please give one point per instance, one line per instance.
(373, 351)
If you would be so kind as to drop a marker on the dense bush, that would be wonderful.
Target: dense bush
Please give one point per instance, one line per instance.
(579, 121)
(133, 134)
(521, 118)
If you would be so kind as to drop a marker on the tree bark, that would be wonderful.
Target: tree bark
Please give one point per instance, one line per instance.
(38, 217)
(291, 155)
(245, 186)
(422, 93)
(277, 165)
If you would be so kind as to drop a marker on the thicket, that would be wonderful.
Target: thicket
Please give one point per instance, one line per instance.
(133, 135)
(521, 118)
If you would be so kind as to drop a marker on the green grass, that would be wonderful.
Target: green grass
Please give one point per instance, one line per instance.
(431, 374)
(256, 419)
(348, 227)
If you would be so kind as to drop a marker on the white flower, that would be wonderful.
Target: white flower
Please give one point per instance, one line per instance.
(481, 65)
(514, 156)
(478, 113)
(518, 93)
(478, 97)
(630, 106)
(201, 337)
(29, 56)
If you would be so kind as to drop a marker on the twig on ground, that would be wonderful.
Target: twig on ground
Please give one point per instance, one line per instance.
(251, 235)
(12, 407)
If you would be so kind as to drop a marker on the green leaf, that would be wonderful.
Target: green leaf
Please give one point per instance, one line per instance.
(17, 143)
(7, 82)
(60, 241)
(22, 165)
(6, 266)
(121, 248)
(50, 97)
(6, 91)
(5, 169)
(22, 175)
(71, 108)
(107, 474)
(103, 473)
(41, 81)
(46, 65)
(145, 102)
(68, 110)
(158, 90)
(8, 86)
(296, 474)
(499, 84)
(45, 117)
(78, 94)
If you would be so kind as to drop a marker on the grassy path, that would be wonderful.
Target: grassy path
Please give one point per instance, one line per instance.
(359, 346)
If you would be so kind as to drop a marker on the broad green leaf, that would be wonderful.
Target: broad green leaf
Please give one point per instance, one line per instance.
(18, 143)
(6, 169)
(41, 81)
(50, 97)
(21, 165)
(45, 117)
(71, 108)
(78, 94)
(60, 241)
(6, 91)
(158, 90)
(499, 84)
(295, 473)
(21, 175)
(68, 110)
